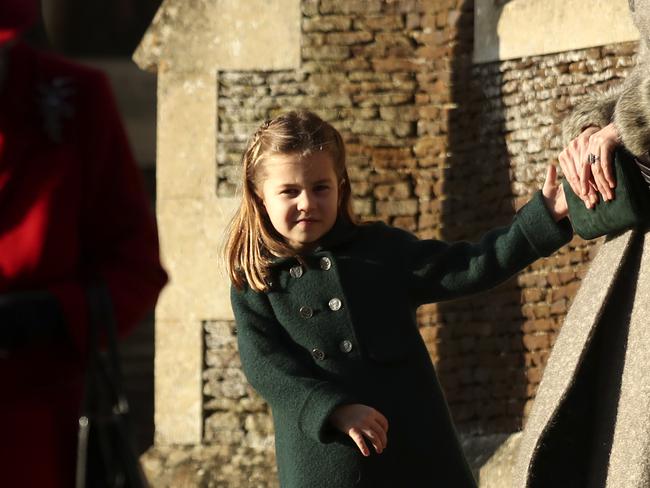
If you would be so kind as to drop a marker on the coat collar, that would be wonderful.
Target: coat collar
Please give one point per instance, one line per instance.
(342, 232)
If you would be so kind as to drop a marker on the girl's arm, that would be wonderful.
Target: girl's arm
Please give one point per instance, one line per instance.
(281, 371)
(437, 270)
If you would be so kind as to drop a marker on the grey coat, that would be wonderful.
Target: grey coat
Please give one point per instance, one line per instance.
(590, 423)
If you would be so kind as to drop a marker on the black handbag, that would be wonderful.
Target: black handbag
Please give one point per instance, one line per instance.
(630, 207)
(106, 455)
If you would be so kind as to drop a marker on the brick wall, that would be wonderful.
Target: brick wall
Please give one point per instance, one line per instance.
(445, 149)
(502, 131)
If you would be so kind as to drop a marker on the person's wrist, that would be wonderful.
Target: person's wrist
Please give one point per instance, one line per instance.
(334, 417)
(556, 206)
(617, 133)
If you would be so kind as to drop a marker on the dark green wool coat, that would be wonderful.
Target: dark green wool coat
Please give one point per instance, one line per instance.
(341, 328)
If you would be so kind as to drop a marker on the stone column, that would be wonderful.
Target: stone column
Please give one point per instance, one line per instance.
(187, 45)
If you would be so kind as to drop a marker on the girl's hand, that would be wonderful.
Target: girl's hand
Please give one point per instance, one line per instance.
(585, 178)
(554, 196)
(359, 421)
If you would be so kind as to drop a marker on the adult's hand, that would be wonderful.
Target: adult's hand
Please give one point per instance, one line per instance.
(601, 145)
(588, 178)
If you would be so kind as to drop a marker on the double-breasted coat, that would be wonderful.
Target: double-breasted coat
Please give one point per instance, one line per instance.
(340, 328)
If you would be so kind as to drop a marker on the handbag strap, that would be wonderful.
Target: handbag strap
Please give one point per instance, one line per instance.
(102, 325)
(104, 369)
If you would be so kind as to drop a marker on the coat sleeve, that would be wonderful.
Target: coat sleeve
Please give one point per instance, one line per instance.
(632, 112)
(119, 241)
(595, 110)
(442, 271)
(280, 371)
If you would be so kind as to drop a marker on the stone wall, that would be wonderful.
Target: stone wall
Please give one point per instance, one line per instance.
(491, 349)
(238, 430)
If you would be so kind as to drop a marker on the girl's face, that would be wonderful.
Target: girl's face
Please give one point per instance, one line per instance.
(301, 196)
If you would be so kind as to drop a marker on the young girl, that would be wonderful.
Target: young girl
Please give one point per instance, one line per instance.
(325, 310)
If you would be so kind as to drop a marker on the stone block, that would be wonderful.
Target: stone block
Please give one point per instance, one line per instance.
(224, 428)
(201, 38)
(408, 114)
(323, 53)
(364, 7)
(380, 23)
(430, 145)
(198, 288)
(382, 99)
(536, 341)
(363, 206)
(390, 65)
(397, 191)
(177, 377)
(309, 7)
(349, 38)
(327, 23)
(371, 127)
(186, 157)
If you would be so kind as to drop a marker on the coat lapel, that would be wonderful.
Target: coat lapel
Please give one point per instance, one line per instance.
(570, 349)
(629, 461)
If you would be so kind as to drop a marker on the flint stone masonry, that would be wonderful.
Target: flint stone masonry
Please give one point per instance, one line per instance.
(238, 426)
(235, 414)
(209, 466)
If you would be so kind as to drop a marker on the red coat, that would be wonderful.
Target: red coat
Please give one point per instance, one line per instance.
(72, 206)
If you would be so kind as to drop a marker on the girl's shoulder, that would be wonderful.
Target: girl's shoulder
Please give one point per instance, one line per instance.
(381, 230)
(245, 293)
(380, 238)
(247, 299)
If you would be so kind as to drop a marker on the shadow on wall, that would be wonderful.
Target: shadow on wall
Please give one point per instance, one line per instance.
(99, 28)
(481, 355)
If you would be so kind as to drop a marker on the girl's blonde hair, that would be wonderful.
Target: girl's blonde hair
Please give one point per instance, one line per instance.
(252, 242)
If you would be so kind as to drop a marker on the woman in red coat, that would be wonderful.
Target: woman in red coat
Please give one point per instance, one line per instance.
(72, 210)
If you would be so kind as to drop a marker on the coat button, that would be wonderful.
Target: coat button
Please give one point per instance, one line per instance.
(306, 312)
(317, 354)
(334, 304)
(296, 271)
(325, 263)
(346, 346)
